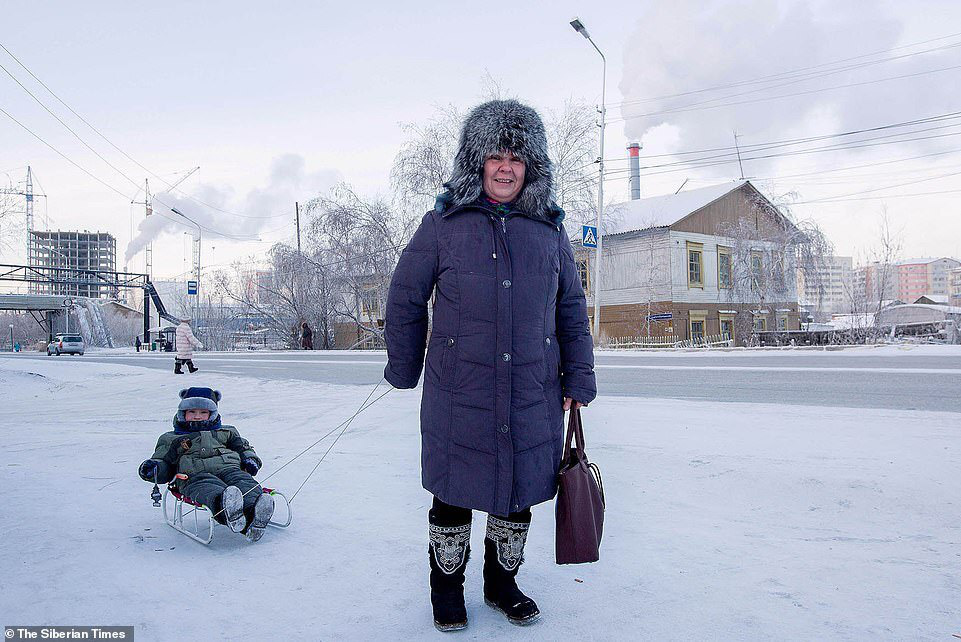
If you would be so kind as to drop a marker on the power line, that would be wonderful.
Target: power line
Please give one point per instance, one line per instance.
(792, 95)
(68, 127)
(771, 77)
(806, 77)
(791, 141)
(876, 198)
(62, 155)
(110, 142)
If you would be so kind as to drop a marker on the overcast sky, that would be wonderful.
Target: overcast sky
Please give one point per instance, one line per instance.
(278, 104)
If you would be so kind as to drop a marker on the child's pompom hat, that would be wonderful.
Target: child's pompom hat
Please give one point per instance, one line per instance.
(196, 398)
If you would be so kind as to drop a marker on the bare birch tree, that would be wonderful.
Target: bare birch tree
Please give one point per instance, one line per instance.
(768, 250)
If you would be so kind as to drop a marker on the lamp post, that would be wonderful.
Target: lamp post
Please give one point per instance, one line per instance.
(11, 337)
(579, 28)
(196, 254)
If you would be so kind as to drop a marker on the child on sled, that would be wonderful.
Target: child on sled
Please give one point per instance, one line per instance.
(218, 463)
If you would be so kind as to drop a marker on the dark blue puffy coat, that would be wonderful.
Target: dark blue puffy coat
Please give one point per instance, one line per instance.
(510, 339)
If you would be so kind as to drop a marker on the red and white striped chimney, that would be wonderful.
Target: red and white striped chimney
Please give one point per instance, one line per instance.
(634, 150)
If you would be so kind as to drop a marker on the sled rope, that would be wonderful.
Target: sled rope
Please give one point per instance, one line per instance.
(334, 442)
(363, 406)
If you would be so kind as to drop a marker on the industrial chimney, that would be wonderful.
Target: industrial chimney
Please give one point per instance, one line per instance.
(634, 149)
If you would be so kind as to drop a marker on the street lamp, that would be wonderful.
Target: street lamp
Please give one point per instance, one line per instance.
(579, 28)
(11, 337)
(196, 260)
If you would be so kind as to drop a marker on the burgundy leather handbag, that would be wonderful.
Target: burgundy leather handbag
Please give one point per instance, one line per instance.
(580, 500)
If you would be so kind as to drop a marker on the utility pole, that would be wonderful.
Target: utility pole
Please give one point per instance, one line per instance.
(29, 196)
(738, 149)
(148, 210)
(31, 245)
(297, 210)
(579, 28)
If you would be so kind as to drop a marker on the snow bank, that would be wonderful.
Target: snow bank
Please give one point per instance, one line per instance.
(725, 521)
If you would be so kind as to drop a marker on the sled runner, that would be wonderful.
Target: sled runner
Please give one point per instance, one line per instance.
(201, 529)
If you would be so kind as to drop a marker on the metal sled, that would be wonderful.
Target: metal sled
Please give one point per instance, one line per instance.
(202, 528)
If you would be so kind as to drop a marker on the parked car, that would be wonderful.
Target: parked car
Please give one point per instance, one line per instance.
(66, 344)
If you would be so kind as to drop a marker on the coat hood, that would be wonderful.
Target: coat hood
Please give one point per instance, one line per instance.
(492, 127)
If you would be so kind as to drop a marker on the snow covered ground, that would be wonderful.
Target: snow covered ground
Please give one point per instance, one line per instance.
(725, 521)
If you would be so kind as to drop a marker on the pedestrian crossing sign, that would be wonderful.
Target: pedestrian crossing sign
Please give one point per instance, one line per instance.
(589, 236)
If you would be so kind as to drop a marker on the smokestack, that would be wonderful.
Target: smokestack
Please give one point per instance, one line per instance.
(633, 150)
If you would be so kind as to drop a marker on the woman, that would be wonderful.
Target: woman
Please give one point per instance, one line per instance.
(186, 342)
(306, 337)
(509, 351)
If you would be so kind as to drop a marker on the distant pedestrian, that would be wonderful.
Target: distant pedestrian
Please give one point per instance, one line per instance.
(186, 342)
(137, 343)
(306, 337)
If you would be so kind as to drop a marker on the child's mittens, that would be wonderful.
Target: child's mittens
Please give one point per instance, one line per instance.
(250, 466)
(148, 470)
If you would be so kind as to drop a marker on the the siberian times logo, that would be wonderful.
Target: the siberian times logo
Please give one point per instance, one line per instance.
(68, 633)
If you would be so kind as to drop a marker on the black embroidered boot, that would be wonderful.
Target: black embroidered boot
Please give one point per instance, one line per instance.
(503, 555)
(449, 551)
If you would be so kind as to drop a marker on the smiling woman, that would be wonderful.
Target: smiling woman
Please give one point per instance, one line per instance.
(503, 176)
(510, 349)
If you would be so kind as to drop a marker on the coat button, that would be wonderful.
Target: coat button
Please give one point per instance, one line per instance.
(505, 429)
(506, 356)
(548, 340)
(450, 341)
(506, 283)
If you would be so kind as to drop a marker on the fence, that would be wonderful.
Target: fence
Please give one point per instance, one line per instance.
(723, 340)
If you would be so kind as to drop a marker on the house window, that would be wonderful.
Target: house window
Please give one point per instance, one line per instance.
(760, 323)
(698, 321)
(727, 326)
(725, 276)
(584, 271)
(757, 270)
(695, 265)
(782, 323)
(370, 303)
(777, 269)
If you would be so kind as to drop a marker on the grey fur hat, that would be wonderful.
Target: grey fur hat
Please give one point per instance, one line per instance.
(198, 398)
(493, 127)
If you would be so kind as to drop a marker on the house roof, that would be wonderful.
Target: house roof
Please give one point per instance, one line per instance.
(663, 211)
(922, 261)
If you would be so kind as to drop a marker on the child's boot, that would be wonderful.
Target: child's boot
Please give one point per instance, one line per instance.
(232, 504)
(178, 364)
(263, 511)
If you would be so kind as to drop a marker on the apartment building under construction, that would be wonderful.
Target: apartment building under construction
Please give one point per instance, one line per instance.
(77, 252)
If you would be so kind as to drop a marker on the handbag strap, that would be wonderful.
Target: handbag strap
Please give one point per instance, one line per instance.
(575, 433)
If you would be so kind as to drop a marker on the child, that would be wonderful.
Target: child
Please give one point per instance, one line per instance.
(218, 462)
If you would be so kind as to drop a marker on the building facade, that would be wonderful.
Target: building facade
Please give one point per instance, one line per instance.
(954, 287)
(75, 251)
(907, 280)
(832, 289)
(701, 263)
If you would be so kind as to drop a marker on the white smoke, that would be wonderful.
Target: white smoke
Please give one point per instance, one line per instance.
(222, 215)
(685, 45)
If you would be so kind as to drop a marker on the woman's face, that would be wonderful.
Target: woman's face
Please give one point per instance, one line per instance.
(503, 176)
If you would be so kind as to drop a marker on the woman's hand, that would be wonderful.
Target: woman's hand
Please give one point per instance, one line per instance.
(567, 404)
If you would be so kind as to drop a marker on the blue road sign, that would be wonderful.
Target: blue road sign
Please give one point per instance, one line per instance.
(589, 236)
(191, 287)
(661, 316)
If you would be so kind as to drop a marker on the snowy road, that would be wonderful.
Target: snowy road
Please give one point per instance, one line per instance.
(727, 521)
(918, 378)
